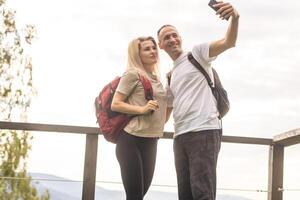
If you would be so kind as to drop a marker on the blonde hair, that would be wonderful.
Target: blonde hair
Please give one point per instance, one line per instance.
(134, 60)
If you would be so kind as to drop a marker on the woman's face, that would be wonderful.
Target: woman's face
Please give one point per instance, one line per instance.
(148, 53)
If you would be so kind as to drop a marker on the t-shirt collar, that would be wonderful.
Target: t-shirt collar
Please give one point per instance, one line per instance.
(179, 59)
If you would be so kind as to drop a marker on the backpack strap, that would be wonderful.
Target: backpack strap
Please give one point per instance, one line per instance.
(201, 69)
(208, 79)
(147, 87)
(169, 75)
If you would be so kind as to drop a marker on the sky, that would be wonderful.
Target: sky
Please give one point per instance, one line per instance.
(82, 45)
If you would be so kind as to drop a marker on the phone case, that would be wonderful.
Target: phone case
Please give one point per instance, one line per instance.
(213, 2)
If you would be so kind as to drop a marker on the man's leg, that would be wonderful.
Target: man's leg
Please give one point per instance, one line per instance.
(182, 169)
(203, 154)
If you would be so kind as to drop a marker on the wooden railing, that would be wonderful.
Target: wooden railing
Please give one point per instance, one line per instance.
(276, 152)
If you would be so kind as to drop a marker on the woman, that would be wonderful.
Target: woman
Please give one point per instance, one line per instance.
(137, 143)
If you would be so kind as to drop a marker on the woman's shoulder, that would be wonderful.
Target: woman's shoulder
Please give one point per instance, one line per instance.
(132, 72)
(130, 75)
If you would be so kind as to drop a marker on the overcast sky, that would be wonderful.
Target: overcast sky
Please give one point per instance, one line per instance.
(82, 45)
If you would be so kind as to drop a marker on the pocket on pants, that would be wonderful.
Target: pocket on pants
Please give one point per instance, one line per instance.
(213, 141)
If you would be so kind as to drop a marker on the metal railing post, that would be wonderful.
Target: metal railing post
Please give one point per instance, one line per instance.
(276, 159)
(90, 166)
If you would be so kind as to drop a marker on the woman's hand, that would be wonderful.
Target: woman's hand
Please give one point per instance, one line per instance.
(151, 105)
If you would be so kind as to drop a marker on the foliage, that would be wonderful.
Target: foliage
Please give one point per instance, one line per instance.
(16, 91)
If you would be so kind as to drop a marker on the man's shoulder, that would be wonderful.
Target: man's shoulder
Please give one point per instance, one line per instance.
(200, 47)
(201, 54)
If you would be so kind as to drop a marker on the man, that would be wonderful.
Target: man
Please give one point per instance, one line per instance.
(197, 127)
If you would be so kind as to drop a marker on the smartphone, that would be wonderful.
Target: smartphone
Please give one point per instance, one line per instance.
(213, 2)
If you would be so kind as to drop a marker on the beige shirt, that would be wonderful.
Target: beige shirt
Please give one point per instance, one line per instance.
(148, 125)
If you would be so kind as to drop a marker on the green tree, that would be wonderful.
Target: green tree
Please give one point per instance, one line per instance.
(16, 91)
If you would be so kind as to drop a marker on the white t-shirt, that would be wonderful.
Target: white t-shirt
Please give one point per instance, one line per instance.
(194, 106)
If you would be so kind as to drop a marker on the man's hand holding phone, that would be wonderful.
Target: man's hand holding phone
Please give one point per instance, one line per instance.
(224, 10)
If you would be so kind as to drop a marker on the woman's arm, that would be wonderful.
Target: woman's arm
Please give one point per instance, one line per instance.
(168, 113)
(119, 105)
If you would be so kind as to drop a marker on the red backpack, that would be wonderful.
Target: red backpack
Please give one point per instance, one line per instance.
(110, 122)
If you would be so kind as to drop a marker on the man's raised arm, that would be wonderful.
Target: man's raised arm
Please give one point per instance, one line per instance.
(225, 11)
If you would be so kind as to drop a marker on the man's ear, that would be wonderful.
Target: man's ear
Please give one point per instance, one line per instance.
(160, 46)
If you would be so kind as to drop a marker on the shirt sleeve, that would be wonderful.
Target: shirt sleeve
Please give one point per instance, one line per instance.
(128, 82)
(201, 54)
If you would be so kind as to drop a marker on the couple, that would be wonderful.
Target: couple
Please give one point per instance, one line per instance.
(198, 130)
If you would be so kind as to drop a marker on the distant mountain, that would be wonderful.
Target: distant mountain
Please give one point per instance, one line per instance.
(63, 190)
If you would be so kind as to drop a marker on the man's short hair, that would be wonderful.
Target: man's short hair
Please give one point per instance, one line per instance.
(166, 25)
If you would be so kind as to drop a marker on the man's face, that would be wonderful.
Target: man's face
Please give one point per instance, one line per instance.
(170, 41)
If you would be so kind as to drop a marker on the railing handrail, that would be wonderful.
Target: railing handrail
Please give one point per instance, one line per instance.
(276, 152)
(48, 127)
(94, 130)
(288, 138)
